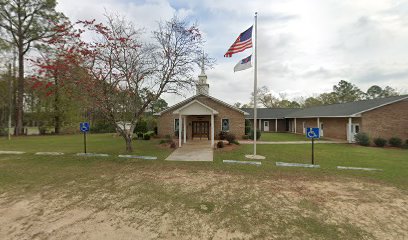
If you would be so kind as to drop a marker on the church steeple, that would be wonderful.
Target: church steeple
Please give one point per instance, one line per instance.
(202, 87)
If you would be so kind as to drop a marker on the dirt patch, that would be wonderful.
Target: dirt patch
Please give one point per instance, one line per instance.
(183, 204)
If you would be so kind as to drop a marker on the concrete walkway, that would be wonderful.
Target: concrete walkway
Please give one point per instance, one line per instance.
(194, 151)
(290, 142)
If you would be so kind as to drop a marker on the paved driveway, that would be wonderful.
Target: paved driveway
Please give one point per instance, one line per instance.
(194, 151)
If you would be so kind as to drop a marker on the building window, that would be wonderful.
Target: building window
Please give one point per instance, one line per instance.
(176, 124)
(225, 126)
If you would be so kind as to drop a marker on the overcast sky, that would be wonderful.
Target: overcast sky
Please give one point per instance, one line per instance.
(304, 47)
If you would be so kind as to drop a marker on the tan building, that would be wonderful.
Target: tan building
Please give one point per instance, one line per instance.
(200, 117)
(382, 117)
(204, 117)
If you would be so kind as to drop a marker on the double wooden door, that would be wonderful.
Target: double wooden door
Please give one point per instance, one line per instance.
(201, 129)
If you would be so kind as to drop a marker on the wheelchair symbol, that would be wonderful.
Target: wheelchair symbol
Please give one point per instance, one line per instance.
(84, 127)
(311, 134)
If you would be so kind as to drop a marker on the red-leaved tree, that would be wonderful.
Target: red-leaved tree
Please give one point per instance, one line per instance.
(125, 73)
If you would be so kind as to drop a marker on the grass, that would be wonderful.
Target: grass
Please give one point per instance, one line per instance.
(238, 201)
(99, 143)
(281, 137)
(393, 162)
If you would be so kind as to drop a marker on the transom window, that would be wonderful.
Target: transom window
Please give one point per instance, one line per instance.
(225, 125)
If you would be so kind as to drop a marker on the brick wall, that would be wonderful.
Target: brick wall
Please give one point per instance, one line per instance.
(281, 124)
(165, 122)
(387, 121)
(335, 128)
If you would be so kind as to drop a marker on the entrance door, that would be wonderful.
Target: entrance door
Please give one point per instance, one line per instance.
(266, 126)
(321, 129)
(355, 128)
(201, 129)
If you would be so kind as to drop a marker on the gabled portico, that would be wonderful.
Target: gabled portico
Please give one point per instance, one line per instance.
(199, 111)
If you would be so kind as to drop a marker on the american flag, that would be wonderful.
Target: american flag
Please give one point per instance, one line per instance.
(244, 41)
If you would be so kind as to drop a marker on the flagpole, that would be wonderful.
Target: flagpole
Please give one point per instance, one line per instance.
(255, 81)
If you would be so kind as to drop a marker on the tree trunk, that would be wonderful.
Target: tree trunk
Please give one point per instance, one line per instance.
(20, 92)
(57, 117)
(129, 147)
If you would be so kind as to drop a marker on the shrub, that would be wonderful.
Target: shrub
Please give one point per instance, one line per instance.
(395, 142)
(222, 135)
(362, 139)
(139, 135)
(146, 137)
(245, 137)
(141, 126)
(150, 133)
(220, 144)
(172, 144)
(230, 138)
(247, 126)
(405, 146)
(251, 134)
(380, 142)
(162, 141)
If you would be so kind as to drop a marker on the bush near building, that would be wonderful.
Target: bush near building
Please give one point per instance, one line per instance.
(395, 142)
(362, 139)
(380, 142)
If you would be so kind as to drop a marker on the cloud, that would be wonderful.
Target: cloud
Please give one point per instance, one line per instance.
(305, 47)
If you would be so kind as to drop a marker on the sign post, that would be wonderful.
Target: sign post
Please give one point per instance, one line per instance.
(313, 133)
(84, 127)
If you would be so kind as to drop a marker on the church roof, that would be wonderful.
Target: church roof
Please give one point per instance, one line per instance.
(178, 105)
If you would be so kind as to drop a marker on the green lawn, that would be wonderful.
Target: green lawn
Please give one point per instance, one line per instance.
(99, 143)
(281, 137)
(202, 198)
(393, 162)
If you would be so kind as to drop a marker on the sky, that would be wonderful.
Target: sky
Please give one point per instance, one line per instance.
(304, 47)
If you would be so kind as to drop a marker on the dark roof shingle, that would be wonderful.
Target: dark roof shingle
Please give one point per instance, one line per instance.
(345, 109)
(272, 113)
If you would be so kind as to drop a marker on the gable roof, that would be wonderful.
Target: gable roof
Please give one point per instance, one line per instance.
(178, 105)
(350, 109)
(190, 104)
(269, 113)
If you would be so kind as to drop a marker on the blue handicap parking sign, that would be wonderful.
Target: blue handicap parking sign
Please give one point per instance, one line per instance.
(312, 132)
(84, 126)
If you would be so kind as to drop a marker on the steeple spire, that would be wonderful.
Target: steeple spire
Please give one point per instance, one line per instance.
(202, 64)
(202, 87)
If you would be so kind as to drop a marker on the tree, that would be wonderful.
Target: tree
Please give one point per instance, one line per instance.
(374, 92)
(267, 99)
(158, 105)
(312, 101)
(125, 75)
(57, 65)
(389, 91)
(328, 98)
(347, 92)
(237, 105)
(22, 23)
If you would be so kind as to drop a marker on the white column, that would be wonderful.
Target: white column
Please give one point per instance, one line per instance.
(180, 126)
(318, 124)
(295, 125)
(350, 138)
(185, 129)
(276, 125)
(212, 130)
(260, 125)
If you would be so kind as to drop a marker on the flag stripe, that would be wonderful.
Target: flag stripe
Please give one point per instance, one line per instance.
(244, 41)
